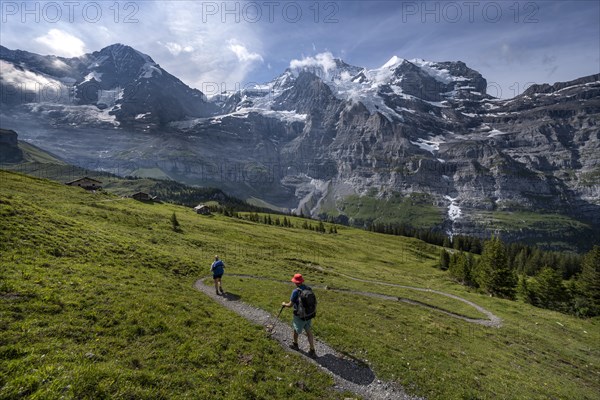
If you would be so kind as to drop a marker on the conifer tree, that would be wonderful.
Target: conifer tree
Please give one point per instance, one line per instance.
(444, 260)
(321, 227)
(548, 290)
(588, 283)
(175, 223)
(495, 276)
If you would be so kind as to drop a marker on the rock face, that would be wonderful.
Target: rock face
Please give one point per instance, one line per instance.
(526, 168)
(9, 148)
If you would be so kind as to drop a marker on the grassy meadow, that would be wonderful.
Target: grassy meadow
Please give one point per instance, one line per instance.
(97, 301)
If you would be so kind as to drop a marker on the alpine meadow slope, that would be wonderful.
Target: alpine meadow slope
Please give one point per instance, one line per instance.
(97, 301)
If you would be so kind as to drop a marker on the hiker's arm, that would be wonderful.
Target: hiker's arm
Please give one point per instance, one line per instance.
(288, 304)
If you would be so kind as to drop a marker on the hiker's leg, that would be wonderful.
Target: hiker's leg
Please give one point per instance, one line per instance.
(295, 337)
(217, 285)
(311, 339)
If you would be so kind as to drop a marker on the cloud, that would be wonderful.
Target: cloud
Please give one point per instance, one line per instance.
(176, 48)
(61, 43)
(222, 53)
(322, 60)
(242, 53)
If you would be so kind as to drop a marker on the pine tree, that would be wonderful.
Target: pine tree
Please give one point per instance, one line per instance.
(520, 261)
(588, 283)
(459, 268)
(444, 260)
(321, 227)
(175, 223)
(549, 291)
(476, 246)
(494, 274)
(447, 244)
(534, 263)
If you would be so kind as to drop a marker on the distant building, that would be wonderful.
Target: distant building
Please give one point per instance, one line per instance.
(86, 183)
(141, 196)
(202, 209)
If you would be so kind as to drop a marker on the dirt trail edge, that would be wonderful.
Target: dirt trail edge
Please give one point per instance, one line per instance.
(493, 321)
(348, 374)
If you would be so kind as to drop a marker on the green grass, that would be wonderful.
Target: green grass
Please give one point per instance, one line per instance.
(261, 203)
(33, 153)
(155, 173)
(96, 301)
(416, 210)
(559, 231)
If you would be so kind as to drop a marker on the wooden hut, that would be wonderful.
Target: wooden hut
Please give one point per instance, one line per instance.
(86, 183)
(202, 209)
(141, 196)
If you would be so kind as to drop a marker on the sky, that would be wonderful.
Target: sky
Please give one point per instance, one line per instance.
(218, 45)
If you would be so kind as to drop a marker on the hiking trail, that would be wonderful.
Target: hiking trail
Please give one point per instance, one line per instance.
(348, 373)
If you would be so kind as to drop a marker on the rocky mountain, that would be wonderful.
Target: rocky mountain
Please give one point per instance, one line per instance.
(116, 86)
(9, 147)
(413, 142)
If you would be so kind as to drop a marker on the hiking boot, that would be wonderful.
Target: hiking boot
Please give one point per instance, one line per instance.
(294, 346)
(218, 293)
(222, 291)
(312, 353)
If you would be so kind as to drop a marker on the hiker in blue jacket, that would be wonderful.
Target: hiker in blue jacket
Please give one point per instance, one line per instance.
(298, 323)
(218, 268)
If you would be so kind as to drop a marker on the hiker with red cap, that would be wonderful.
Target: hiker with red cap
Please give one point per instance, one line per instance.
(305, 308)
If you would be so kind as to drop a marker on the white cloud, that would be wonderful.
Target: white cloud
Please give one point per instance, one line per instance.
(323, 60)
(218, 57)
(61, 43)
(242, 53)
(176, 48)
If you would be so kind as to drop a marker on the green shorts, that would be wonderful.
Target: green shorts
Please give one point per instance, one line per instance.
(300, 324)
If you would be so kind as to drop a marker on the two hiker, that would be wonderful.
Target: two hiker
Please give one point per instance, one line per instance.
(218, 268)
(304, 302)
(302, 299)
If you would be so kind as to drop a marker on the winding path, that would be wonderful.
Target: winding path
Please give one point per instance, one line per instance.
(492, 321)
(348, 373)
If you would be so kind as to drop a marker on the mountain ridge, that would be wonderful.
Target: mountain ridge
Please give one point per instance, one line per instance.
(324, 131)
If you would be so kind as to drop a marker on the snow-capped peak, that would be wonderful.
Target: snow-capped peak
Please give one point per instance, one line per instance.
(393, 62)
(325, 66)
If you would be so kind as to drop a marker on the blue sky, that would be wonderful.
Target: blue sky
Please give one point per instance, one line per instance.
(512, 44)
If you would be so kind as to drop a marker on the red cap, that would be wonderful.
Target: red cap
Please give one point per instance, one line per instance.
(298, 278)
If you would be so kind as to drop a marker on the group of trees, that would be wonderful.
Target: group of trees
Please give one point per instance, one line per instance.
(286, 222)
(427, 235)
(433, 236)
(535, 276)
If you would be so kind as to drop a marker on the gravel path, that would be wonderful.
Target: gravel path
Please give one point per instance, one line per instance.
(348, 374)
